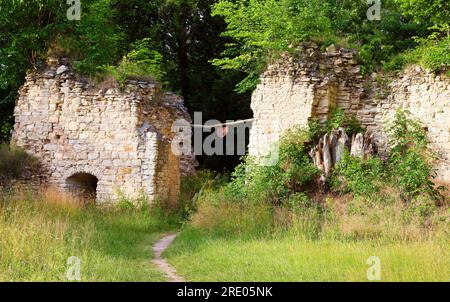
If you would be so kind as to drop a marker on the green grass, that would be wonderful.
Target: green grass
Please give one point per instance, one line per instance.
(37, 236)
(211, 258)
(228, 241)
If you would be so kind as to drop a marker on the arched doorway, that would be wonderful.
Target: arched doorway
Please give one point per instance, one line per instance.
(83, 185)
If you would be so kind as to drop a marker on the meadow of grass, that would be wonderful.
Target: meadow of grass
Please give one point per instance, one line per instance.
(226, 241)
(201, 258)
(40, 231)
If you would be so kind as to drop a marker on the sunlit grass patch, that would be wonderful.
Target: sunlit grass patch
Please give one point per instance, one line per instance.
(39, 232)
(296, 259)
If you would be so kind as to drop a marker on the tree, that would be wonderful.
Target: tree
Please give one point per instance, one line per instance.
(262, 29)
(30, 28)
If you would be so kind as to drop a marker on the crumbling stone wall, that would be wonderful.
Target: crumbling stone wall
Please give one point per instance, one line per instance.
(120, 137)
(310, 83)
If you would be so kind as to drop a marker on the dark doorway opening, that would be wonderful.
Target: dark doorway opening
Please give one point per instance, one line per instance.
(83, 185)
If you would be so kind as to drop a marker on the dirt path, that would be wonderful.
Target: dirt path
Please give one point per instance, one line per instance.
(162, 264)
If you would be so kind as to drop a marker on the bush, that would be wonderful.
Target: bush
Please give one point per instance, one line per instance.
(140, 63)
(410, 161)
(193, 186)
(359, 176)
(299, 200)
(338, 118)
(293, 172)
(409, 167)
(281, 199)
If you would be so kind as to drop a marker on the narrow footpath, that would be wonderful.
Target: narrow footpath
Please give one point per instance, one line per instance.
(166, 268)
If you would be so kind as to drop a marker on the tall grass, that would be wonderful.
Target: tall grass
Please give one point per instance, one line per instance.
(383, 217)
(231, 241)
(40, 231)
(14, 162)
(200, 258)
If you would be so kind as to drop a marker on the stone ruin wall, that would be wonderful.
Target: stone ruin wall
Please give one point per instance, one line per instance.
(120, 137)
(310, 83)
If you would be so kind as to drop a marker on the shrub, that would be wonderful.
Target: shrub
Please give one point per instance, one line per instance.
(140, 63)
(293, 172)
(357, 175)
(338, 118)
(432, 54)
(193, 186)
(299, 200)
(410, 161)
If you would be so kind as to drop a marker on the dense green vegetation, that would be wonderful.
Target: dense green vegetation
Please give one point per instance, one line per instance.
(261, 29)
(294, 176)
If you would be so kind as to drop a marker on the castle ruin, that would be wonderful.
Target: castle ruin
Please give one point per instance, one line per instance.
(101, 143)
(310, 83)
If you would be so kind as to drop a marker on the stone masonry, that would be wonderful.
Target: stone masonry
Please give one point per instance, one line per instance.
(108, 141)
(310, 83)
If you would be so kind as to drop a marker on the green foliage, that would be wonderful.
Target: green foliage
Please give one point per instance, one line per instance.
(433, 54)
(409, 166)
(294, 172)
(299, 200)
(359, 176)
(140, 63)
(410, 161)
(430, 13)
(31, 27)
(261, 29)
(339, 118)
(423, 208)
(95, 40)
(316, 129)
(404, 134)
